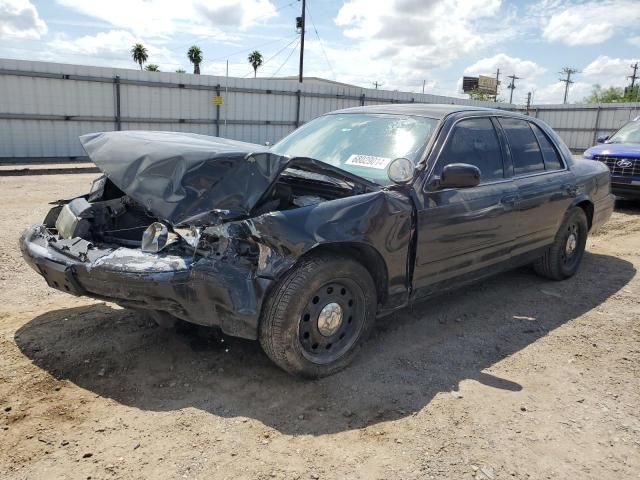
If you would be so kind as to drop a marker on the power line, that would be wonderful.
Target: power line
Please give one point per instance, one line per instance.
(285, 61)
(274, 55)
(568, 71)
(512, 85)
(282, 7)
(321, 44)
(237, 52)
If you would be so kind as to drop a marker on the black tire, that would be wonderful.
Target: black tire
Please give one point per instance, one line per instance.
(302, 306)
(562, 259)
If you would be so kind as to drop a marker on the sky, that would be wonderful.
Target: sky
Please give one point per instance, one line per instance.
(401, 44)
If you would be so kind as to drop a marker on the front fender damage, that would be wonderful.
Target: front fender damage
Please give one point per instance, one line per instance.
(264, 248)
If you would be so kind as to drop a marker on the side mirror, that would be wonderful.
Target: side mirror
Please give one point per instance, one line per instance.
(602, 138)
(400, 171)
(459, 175)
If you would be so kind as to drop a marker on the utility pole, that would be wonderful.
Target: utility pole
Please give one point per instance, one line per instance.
(634, 77)
(378, 84)
(300, 23)
(568, 71)
(528, 102)
(512, 86)
(423, 84)
(495, 99)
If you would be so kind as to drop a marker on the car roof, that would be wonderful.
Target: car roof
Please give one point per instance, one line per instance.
(431, 110)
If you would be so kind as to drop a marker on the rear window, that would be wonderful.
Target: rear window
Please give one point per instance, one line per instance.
(549, 153)
(525, 151)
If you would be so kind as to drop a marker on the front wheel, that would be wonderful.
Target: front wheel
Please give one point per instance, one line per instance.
(318, 315)
(562, 259)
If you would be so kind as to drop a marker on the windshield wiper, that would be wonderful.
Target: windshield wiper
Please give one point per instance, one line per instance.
(316, 176)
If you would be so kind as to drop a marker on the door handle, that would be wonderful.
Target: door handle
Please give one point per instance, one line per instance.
(509, 200)
(571, 189)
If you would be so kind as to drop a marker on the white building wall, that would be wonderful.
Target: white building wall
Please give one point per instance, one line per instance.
(42, 113)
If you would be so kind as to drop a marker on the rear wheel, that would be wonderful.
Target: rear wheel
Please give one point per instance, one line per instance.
(318, 315)
(562, 259)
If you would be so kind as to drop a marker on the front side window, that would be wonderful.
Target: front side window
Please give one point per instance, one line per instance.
(630, 133)
(474, 141)
(525, 151)
(362, 144)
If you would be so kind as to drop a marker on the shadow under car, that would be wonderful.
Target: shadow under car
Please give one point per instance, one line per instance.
(412, 355)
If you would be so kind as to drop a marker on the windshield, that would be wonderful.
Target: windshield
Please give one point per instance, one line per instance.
(362, 144)
(630, 133)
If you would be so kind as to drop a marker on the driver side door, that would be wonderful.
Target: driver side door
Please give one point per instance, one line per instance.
(463, 232)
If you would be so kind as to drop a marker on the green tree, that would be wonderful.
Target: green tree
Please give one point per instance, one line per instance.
(612, 94)
(139, 54)
(195, 56)
(478, 95)
(152, 67)
(256, 61)
(181, 70)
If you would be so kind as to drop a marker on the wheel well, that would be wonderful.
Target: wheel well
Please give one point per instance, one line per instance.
(367, 256)
(587, 206)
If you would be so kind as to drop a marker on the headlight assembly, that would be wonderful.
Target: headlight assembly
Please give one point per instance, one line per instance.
(156, 237)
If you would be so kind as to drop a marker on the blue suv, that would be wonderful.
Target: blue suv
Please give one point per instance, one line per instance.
(621, 153)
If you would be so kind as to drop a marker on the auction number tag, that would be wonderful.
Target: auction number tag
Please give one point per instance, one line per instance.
(368, 161)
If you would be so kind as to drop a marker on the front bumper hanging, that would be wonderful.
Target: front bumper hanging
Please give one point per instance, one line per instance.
(223, 292)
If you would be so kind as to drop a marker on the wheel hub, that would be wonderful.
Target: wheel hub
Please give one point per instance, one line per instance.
(572, 243)
(330, 319)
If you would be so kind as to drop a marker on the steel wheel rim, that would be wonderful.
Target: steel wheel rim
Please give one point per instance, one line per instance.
(322, 336)
(570, 252)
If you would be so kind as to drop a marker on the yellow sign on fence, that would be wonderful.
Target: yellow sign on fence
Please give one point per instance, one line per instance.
(217, 100)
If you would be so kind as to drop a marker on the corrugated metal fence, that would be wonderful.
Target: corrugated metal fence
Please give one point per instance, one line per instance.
(44, 107)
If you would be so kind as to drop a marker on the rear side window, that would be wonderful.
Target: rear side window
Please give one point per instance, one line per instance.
(549, 153)
(526, 154)
(474, 141)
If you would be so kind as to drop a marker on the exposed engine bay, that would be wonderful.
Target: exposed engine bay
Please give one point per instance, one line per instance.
(108, 216)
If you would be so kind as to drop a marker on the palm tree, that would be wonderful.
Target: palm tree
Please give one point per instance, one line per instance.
(195, 56)
(139, 54)
(152, 67)
(255, 59)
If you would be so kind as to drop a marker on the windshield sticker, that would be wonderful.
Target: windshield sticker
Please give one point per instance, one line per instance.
(368, 161)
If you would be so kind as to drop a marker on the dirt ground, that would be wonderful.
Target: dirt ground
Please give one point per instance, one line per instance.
(517, 377)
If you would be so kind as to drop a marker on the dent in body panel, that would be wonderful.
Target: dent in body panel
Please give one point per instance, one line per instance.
(381, 221)
(463, 229)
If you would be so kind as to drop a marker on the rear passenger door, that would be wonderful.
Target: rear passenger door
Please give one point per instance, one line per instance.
(461, 231)
(545, 186)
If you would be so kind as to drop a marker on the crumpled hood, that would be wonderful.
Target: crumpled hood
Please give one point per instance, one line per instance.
(184, 177)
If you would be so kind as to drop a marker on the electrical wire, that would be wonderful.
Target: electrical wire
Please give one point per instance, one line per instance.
(273, 56)
(321, 44)
(244, 50)
(286, 60)
(282, 7)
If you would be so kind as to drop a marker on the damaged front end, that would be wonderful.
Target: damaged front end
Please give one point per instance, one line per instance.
(195, 227)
